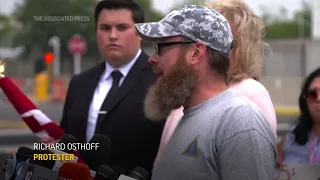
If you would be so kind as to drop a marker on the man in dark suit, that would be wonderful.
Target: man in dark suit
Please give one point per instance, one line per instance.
(108, 98)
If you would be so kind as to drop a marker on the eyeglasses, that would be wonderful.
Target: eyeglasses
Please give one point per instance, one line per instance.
(312, 95)
(158, 46)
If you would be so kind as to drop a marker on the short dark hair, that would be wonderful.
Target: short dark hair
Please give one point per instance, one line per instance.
(219, 62)
(137, 11)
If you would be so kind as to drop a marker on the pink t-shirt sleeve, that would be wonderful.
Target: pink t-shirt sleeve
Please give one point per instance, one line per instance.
(259, 95)
(266, 106)
(171, 123)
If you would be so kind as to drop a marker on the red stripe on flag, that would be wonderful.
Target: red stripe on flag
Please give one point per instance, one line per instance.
(53, 130)
(19, 101)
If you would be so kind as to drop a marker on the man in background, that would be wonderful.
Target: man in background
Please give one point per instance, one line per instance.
(108, 98)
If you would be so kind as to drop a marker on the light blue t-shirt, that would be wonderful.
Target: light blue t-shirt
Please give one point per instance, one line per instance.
(223, 138)
(296, 153)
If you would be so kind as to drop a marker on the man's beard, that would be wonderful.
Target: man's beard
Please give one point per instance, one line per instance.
(171, 92)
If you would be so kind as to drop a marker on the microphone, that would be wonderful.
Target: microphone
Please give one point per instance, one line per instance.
(74, 171)
(43, 163)
(9, 166)
(65, 139)
(105, 172)
(24, 153)
(37, 169)
(123, 177)
(139, 173)
(119, 170)
(92, 174)
(95, 158)
(29, 171)
(12, 164)
(68, 139)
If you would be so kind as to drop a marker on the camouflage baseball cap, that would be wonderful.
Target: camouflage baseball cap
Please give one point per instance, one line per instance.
(197, 23)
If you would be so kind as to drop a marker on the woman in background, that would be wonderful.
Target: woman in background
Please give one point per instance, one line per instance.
(302, 143)
(245, 64)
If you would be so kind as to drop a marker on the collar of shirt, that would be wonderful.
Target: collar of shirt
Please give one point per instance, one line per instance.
(124, 69)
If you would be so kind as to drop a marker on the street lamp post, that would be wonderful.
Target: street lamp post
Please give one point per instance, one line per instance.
(55, 43)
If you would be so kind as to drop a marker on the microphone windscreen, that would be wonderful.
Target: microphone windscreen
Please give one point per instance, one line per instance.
(119, 170)
(76, 171)
(43, 163)
(10, 166)
(28, 171)
(105, 172)
(96, 157)
(66, 139)
(139, 173)
(24, 153)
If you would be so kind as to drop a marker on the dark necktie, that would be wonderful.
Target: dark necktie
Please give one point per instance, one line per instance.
(116, 76)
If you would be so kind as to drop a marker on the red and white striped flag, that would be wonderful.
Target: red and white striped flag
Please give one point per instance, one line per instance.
(36, 120)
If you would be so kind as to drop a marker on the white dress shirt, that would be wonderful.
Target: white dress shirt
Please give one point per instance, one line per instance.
(101, 91)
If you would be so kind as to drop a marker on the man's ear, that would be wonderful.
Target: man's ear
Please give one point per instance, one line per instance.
(137, 34)
(199, 52)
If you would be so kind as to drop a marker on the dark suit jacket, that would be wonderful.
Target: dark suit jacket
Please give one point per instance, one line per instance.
(135, 139)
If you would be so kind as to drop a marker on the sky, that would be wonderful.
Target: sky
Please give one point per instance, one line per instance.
(163, 5)
(272, 5)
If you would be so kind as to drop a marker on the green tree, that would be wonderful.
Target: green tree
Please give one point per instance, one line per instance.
(281, 27)
(7, 30)
(3, 25)
(150, 14)
(193, 2)
(35, 33)
(266, 16)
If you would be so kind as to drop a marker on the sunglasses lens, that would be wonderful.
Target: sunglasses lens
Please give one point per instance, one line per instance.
(312, 95)
(156, 47)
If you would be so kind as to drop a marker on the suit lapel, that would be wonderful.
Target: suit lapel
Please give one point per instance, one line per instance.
(133, 77)
(89, 88)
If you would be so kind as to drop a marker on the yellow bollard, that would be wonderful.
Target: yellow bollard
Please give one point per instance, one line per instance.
(41, 86)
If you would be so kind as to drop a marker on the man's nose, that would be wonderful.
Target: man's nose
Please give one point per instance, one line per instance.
(152, 59)
(318, 97)
(113, 34)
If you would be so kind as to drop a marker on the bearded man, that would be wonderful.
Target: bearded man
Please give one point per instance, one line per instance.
(222, 134)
